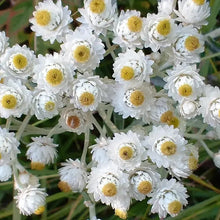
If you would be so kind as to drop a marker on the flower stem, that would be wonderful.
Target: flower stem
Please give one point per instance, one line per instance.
(210, 153)
(210, 56)
(97, 125)
(23, 126)
(85, 148)
(213, 34)
(110, 48)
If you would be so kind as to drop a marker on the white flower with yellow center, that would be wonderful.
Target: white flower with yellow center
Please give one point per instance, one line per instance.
(189, 109)
(187, 46)
(165, 146)
(53, 73)
(45, 105)
(126, 150)
(75, 120)
(110, 185)
(159, 31)
(18, 62)
(184, 82)
(134, 101)
(170, 197)
(3, 42)
(210, 106)
(14, 99)
(41, 151)
(193, 12)
(127, 29)
(131, 67)
(98, 15)
(51, 20)
(83, 49)
(31, 200)
(73, 176)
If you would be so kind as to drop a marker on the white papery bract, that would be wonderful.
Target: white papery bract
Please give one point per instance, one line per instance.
(25, 179)
(170, 197)
(127, 29)
(132, 67)
(14, 99)
(3, 42)
(189, 108)
(98, 15)
(159, 31)
(5, 171)
(18, 62)
(83, 49)
(51, 20)
(166, 6)
(193, 12)
(53, 73)
(210, 106)
(184, 82)
(30, 199)
(74, 174)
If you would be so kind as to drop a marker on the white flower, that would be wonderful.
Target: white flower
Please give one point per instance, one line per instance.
(189, 109)
(14, 99)
(51, 20)
(166, 6)
(131, 67)
(31, 200)
(3, 42)
(159, 31)
(73, 173)
(127, 29)
(216, 159)
(18, 62)
(126, 150)
(98, 15)
(193, 12)
(45, 104)
(27, 179)
(75, 120)
(170, 197)
(210, 106)
(41, 151)
(53, 73)
(184, 82)
(5, 171)
(83, 49)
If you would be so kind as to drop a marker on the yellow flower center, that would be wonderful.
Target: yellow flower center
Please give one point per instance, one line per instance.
(127, 73)
(81, 54)
(174, 121)
(137, 98)
(219, 113)
(185, 90)
(97, 6)
(174, 207)
(192, 163)
(164, 27)
(0, 156)
(42, 17)
(121, 214)
(126, 153)
(54, 77)
(192, 43)
(145, 187)
(64, 186)
(134, 24)
(166, 116)
(199, 2)
(37, 166)
(39, 211)
(9, 101)
(109, 189)
(86, 98)
(2, 80)
(168, 148)
(20, 61)
(49, 106)
(73, 121)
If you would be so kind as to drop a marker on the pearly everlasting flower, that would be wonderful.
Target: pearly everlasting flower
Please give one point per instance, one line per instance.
(31, 200)
(193, 12)
(53, 73)
(41, 151)
(166, 6)
(127, 29)
(45, 105)
(170, 197)
(51, 20)
(73, 176)
(184, 82)
(14, 99)
(131, 67)
(126, 150)
(5, 171)
(3, 42)
(26, 179)
(210, 106)
(83, 49)
(189, 108)
(98, 15)
(159, 31)
(18, 62)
